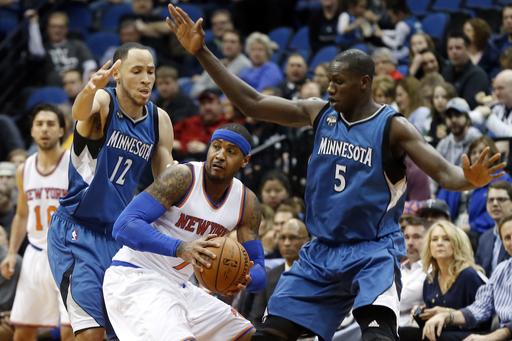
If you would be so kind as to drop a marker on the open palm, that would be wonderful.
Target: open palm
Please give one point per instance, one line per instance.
(484, 170)
(189, 34)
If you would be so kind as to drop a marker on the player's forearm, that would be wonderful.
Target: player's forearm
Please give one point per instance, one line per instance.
(240, 93)
(452, 178)
(82, 107)
(18, 232)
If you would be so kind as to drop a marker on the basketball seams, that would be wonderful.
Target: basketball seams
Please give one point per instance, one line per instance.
(219, 258)
(237, 277)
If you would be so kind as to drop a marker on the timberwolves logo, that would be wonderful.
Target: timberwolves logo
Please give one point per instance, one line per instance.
(331, 120)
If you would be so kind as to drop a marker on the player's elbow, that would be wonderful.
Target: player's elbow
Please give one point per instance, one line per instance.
(121, 228)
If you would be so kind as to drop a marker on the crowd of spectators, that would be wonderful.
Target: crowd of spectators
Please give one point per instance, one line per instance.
(457, 91)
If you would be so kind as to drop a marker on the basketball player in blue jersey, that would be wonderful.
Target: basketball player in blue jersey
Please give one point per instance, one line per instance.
(354, 195)
(165, 231)
(118, 133)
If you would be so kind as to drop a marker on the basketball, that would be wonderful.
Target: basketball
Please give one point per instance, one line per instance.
(228, 269)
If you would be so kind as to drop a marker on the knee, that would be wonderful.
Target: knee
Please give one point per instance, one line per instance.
(377, 323)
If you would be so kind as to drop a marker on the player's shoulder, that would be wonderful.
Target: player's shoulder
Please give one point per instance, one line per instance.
(177, 172)
(163, 117)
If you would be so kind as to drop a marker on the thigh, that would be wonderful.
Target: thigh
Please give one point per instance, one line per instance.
(36, 300)
(143, 305)
(211, 319)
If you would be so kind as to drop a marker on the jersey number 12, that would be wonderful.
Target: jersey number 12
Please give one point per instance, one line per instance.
(122, 173)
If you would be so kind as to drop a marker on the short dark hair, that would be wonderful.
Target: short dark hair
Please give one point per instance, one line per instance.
(505, 219)
(276, 175)
(458, 35)
(357, 61)
(77, 70)
(239, 129)
(48, 107)
(507, 186)
(122, 51)
(416, 221)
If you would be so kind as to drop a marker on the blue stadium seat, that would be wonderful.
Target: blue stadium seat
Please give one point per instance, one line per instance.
(325, 54)
(300, 40)
(435, 25)
(363, 47)
(8, 20)
(281, 36)
(48, 94)
(80, 17)
(447, 5)
(112, 14)
(481, 4)
(194, 11)
(418, 8)
(99, 42)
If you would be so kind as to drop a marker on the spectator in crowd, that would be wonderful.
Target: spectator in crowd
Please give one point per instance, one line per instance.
(221, 22)
(233, 59)
(283, 214)
(411, 270)
(72, 82)
(263, 73)
(498, 118)
(427, 86)
(11, 137)
(170, 97)
(8, 174)
(290, 239)
(352, 23)
(274, 188)
(384, 90)
(418, 183)
(504, 40)
(385, 63)
(438, 127)
(493, 298)
(490, 250)
(468, 79)
(398, 37)
(61, 53)
(231, 113)
(479, 219)
(323, 25)
(7, 206)
(419, 42)
(128, 33)
(266, 231)
(191, 135)
(295, 73)
(309, 90)
(506, 59)
(17, 156)
(481, 50)
(7, 286)
(433, 210)
(453, 146)
(321, 77)
(410, 103)
(453, 278)
(432, 62)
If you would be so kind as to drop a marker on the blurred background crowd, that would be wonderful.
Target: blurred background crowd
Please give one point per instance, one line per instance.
(446, 65)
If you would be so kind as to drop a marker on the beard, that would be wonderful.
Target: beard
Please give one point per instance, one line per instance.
(45, 146)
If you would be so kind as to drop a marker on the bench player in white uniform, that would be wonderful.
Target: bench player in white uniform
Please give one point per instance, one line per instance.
(42, 180)
(146, 289)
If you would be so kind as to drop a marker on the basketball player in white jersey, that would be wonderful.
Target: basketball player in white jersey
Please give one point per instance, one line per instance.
(42, 180)
(165, 231)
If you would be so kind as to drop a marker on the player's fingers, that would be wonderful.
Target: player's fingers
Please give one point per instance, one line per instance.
(198, 26)
(106, 65)
(184, 16)
(210, 236)
(498, 167)
(114, 66)
(176, 15)
(483, 155)
(206, 252)
(171, 24)
(493, 159)
(465, 161)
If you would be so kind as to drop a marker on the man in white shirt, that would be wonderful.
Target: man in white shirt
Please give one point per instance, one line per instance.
(412, 271)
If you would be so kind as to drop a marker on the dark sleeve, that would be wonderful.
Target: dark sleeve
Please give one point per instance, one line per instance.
(427, 293)
(470, 281)
(478, 81)
(11, 137)
(258, 308)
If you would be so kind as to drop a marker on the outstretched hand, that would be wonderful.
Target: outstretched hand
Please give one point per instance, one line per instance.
(483, 171)
(189, 34)
(101, 77)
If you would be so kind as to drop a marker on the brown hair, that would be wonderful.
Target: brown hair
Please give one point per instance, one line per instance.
(412, 87)
(482, 32)
(502, 222)
(485, 140)
(167, 72)
(384, 83)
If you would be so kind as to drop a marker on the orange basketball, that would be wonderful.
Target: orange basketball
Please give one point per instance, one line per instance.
(228, 269)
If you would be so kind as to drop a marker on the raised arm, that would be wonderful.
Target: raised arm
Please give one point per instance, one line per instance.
(92, 99)
(404, 137)
(253, 104)
(18, 228)
(163, 153)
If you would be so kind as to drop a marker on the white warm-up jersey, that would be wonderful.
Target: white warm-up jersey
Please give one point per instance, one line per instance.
(194, 217)
(43, 192)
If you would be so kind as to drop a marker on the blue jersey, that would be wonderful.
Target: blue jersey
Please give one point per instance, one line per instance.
(103, 174)
(355, 189)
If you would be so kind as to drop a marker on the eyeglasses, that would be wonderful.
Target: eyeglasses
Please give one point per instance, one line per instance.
(499, 199)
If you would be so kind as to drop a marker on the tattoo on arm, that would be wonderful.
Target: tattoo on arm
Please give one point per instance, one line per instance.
(249, 229)
(172, 185)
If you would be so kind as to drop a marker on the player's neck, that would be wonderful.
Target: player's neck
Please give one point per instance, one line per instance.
(215, 190)
(127, 105)
(47, 159)
(362, 111)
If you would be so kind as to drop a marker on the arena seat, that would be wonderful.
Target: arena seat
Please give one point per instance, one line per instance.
(80, 17)
(47, 94)
(325, 54)
(112, 14)
(99, 42)
(435, 25)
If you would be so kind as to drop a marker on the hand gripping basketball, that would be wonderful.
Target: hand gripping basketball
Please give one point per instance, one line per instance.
(196, 252)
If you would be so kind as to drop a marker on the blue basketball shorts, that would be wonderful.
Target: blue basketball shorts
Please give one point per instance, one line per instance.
(328, 280)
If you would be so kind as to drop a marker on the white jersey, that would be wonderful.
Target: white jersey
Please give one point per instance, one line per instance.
(194, 217)
(43, 192)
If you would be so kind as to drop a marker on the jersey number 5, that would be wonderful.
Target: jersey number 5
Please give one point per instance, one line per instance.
(339, 178)
(127, 164)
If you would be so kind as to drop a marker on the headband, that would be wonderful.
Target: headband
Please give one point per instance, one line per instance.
(233, 137)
